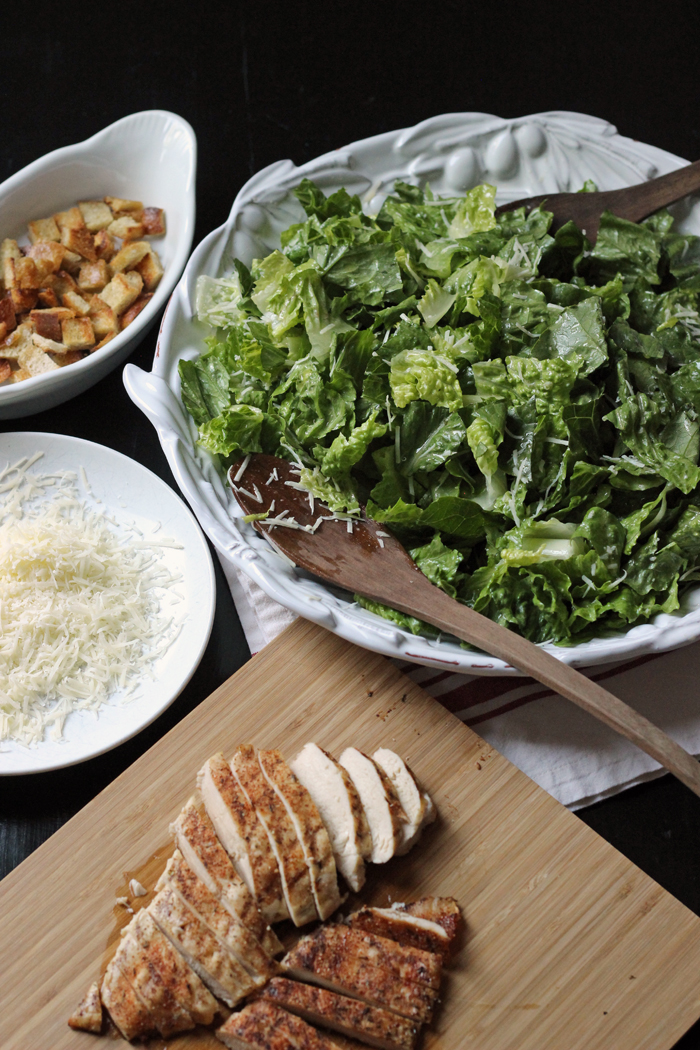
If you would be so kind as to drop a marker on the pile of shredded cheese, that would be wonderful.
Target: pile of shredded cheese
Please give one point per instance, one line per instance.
(80, 605)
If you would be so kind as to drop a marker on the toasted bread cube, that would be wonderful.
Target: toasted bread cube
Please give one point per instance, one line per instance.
(78, 333)
(151, 270)
(43, 230)
(5, 369)
(7, 314)
(135, 309)
(61, 283)
(121, 206)
(19, 375)
(3, 330)
(9, 249)
(76, 303)
(8, 271)
(26, 273)
(48, 256)
(79, 241)
(72, 219)
(48, 322)
(70, 357)
(96, 215)
(24, 299)
(103, 342)
(121, 291)
(103, 317)
(36, 361)
(129, 256)
(72, 262)
(104, 245)
(47, 297)
(17, 341)
(126, 227)
(153, 220)
(93, 276)
(49, 346)
(134, 279)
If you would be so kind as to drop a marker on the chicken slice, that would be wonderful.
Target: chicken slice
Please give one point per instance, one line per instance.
(384, 813)
(179, 877)
(418, 806)
(157, 974)
(319, 960)
(88, 1013)
(129, 1014)
(445, 911)
(309, 828)
(265, 1026)
(350, 1017)
(339, 805)
(296, 880)
(407, 964)
(194, 833)
(210, 959)
(242, 836)
(410, 930)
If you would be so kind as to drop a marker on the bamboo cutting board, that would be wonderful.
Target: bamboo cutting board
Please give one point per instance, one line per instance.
(568, 946)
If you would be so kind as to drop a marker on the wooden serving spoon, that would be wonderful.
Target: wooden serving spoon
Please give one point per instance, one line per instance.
(373, 563)
(631, 202)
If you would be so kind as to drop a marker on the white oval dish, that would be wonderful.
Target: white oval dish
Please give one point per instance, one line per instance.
(542, 153)
(149, 156)
(130, 494)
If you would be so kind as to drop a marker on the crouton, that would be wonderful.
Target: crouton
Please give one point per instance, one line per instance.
(135, 309)
(48, 345)
(35, 361)
(96, 215)
(43, 230)
(72, 219)
(16, 342)
(80, 241)
(104, 245)
(47, 297)
(126, 227)
(103, 317)
(93, 276)
(153, 221)
(8, 271)
(5, 370)
(78, 333)
(48, 322)
(121, 291)
(72, 261)
(7, 314)
(103, 342)
(76, 303)
(121, 206)
(47, 255)
(129, 256)
(24, 299)
(61, 283)
(26, 273)
(19, 375)
(151, 270)
(9, 249)
(69, 358)
(3, 330)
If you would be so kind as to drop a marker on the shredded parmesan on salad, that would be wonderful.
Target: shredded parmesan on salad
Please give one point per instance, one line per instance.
(80, 603)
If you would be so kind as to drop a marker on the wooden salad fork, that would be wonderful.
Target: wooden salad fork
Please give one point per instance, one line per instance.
(370, 561)
(631, 202)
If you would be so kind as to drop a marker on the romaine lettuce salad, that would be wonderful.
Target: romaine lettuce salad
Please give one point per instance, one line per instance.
(521, 409)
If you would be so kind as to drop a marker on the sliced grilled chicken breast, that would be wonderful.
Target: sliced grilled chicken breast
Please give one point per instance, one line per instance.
(341, 810)
(265, 1026)
(210, 959)
(369, 1024)
(409, 930)
(444, 911)
(129, 1014)
(319, 960)
(87, 1016)
(384, 813)
(194, 833)
(179, 877)
(242, 836)
(417, 805)
(309, 828)
(296, 879)
(407, 964)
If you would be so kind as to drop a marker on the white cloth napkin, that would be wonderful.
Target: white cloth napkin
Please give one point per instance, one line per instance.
(567, 752)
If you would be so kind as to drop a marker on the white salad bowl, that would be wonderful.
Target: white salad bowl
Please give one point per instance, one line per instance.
(149, 156)
(542, 153)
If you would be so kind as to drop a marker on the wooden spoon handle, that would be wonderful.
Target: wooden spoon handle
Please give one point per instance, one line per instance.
(431, 604)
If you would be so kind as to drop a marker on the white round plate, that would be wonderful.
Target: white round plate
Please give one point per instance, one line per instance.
(542, 153)
(132, 495)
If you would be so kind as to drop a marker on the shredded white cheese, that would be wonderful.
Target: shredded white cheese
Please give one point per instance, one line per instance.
(79, 604)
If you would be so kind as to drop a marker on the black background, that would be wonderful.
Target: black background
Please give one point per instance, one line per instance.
(271, 80)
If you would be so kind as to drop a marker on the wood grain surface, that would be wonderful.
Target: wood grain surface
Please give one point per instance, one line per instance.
(568, 945)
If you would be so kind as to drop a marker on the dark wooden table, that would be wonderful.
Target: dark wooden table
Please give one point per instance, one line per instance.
(271, 80)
